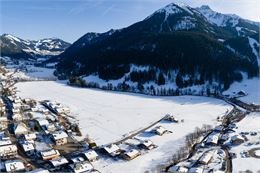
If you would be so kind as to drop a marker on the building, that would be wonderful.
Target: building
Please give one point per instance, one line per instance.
(14, 166)
(5, 142)
(81, 167)
(159, 130)
(213, 139)
(7, 151)
(205, 158)
(131, 154)
(29, 137)
(77, 159)
(237, 139)
(59, 137)
(28, 148)
(17, 116)
(43, 123)
(49, 154)
(58, 162)
(171, 118)
(113, 150)
(3, 123)
(147, 144)
(20, 129)
(91, 155)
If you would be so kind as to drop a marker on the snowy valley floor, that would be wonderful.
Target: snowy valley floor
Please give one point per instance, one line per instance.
(108, 116)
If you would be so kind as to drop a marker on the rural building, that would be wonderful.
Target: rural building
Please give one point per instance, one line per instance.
(58, 162)
(5, 142)
(237, 139)
(43, 123)
(171, 118)
(14, 166)
(131, 154)
(112, 149)
(59, 137)
(3, 123)
(28, 148)
(17, 116)
(159, 130)
(20, 128)
(205, 158)
(81, 167)
(91, 155)
(213, 139)
(77, 159)
(147, 144)
(49, 154)
(29, 137)
(8, 151)
(177, 169)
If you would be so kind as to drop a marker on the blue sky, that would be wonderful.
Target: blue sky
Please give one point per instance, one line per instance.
(70, 19)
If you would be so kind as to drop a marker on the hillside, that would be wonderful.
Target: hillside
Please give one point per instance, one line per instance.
(177, 44)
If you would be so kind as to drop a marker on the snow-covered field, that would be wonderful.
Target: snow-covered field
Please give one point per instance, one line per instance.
(250, 86)
(250, 123)
(108, 116)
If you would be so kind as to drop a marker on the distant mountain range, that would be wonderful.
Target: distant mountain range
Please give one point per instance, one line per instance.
(183, 44)
(18, 48)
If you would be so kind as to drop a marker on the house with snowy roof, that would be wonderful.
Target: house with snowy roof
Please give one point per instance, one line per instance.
(58, 162)
(131, 154)
(49, 154)
(112, 149)
(7, 151)
(81, 167)
(159, 130)
(59, 137)
(147, 144)
(90, 155)
(14, 166)
(20, 128)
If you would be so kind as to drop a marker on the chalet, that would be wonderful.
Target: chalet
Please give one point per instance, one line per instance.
(58, 162)
(5, 142)
(91, 155)
(77, 159)
(131, 154)
(171, 118)
(28, 148)
(29, 137)
(40, 170)
(159, 130)
(8, 151)
(49, 154)
(213, 139)
(3, 123)
(81, 167)
(196, 170)
(205, 158)
(237, 139)
(113, 150)
(20, 128)
(14, 166)
(147, 144)
(59, 137)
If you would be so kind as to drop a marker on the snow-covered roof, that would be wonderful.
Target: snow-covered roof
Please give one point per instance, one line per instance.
(237, 137)
(27, 146)
(213, 138)
(7, 148)
(59, 161)
(159, 130)
(77, 159)
(111, 148)
(147, 143)
(43, 122)
(30, 136)
(132, 153)
(40, 170)
(20, 128)
(59, 135)
(81, 167)
(50, 152)
(205, 158)
(14, 165)
(90, 154)
(5, 142)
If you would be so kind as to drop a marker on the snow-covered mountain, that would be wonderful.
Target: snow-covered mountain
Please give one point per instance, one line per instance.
(15, 47)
